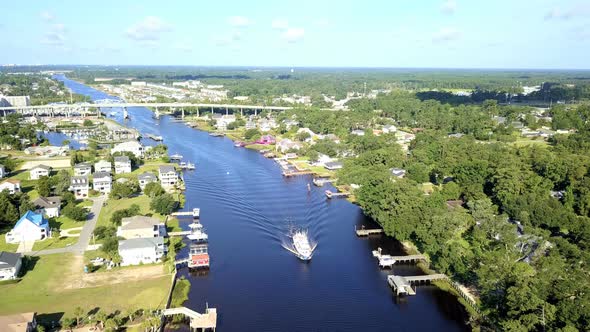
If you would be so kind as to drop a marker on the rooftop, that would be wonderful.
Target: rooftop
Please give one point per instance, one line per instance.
(84, 165)
(8, 260)
(35, 218)
(122, 159)
(141, 243)
(139, 222)
(45, 167)
(146, 176)
(16, 322)
(100, 175)
(167, 169)
(47, 202)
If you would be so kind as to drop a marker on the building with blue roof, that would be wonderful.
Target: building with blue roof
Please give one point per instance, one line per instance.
(30, 227)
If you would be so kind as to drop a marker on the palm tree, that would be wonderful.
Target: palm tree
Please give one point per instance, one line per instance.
(79, 314)
(101, 317)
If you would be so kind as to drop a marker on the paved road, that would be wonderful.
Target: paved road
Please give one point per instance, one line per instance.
(85, 234)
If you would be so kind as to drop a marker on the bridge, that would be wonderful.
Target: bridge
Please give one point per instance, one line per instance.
(68, 109)
(208, 320)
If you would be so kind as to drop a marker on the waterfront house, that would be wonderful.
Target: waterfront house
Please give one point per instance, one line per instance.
(12, 185)
(131, 146)
(389, 129)
(398, 172)
(2, 171)
(23, 322)
(122, 165)
(333, 165)
(250, 124)
(141, 226)
(38, 171)
(10, 264)
(103, 166)
(30, 227)
(82, 169)
(286, 144)
(168, 176)
(223, 121)
(142, 250)
(79, 186)
(48, 206)
(145, 178)
(265, 140)
(102, 182)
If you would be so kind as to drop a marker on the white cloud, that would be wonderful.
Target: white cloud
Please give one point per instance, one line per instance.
(292, 35)
(238, 21)
(47, 16)
(147, 30)
(53, 38)
(446, 34)
(579, 9)
(449, 7)
(280, 24)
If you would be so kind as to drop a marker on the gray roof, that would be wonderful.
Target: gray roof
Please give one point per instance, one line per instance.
(79, 179)
(122, 159)
(84, 164)
(167, 169)
(146, 176)
(334, 164)
(45, 167)
(47, 202)
(8, 260)
(141, 243)
(100, 175)
(139, 222)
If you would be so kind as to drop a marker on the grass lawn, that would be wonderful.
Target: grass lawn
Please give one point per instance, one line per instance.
(523, 141)
(6, 246)
(54, 242)
(42, 290)
(85, 203)
(63, 222)
(104, 219)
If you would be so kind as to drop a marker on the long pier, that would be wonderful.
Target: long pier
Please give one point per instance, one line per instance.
(331, 194)
(402, 285)
(367, 232)
(195, 213)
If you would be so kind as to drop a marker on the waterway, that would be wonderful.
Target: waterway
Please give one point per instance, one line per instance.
(247, 208)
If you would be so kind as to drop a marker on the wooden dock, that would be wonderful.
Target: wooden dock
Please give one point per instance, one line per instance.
(402, 285)
(208, 320)
(195, 213)
(366, 232)
(331, 194)
(296, 173)
(182, 233)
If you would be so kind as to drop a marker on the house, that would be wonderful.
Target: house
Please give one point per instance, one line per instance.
(103, 166)
(145, 178)
(10, 264)
(122, 165)
(131, 146)
(39, 171)
(389, 129)
(168, 176)
(79, 186)
(48, 206)
(12, 185)
(25, 322)
(30, 227)
(2, 171)
(358, 132)
(102, 182)
(267, 125)
(286, 144)
(250, 124)
(333, 165)
(265, 140)
(398, 172)
(223, 121)
(141, 226)
(82, 169)
(142, 250)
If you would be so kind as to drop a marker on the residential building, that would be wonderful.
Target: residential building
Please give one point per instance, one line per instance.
(333, 165)
(266, 140)
(102, 182)
(12, 185)
(286, 144)
(168, 176)
(2, 171)
(250, 124)
(103, 166)
(223, 121)
(389, 129)
(48, 206)
(24, 322)
(398, 172)
(10, 264)
(82, 169)
(358, 132)
(145, 178)
(141, 226)
(30, 227)
(38, 171)
(131, 146)
(79, 186)
(142, 250)
(122, 165)
(139, 83)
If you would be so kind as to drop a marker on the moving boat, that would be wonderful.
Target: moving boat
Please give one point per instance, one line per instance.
(176, 157)
(185, 165)
(301, 245)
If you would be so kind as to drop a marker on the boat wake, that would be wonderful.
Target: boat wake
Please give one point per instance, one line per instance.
(298, 242)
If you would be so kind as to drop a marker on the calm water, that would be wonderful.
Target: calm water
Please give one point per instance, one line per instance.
(247, 207)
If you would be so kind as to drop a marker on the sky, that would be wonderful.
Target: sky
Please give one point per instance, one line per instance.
(540, 34)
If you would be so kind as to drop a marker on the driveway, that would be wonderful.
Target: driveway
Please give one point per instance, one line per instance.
(85, 234)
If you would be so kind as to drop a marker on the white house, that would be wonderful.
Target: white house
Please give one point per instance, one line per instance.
(30, 227)
(145, 178)
(39, 171)
(389, 129)
(142, 250)
(168, 176)
(12, 185)
(141, 226)
(286, 144)
(398, 172)
(102, 182)
(10, 264)
(79, 186)
(48, 206)
(2, 171)
(358, 132)
(103, 166)
(122, 165)
(82, 169)
(131, 146)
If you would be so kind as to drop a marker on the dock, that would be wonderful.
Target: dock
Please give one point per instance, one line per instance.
(155, 137)
(402, 285)
(320, 182)
(183, 233)
(195, 213)
(367, 232)
(296, 173)
(208, 320)
(331, 194)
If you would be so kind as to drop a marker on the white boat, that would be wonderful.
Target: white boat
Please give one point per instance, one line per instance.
(176, 157)
(301, 245)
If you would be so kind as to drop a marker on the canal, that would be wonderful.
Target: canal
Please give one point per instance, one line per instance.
(247, 208)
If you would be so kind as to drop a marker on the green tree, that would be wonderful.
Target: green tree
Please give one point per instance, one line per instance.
(163, 204)
(79, 315)
(251, 134)
(75, 212)
(153, 189)
(44, 186)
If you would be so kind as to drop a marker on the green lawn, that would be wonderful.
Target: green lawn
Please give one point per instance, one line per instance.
(63, 222)
(41, 290)
(6, 246)
(54, 242)
(121, 204)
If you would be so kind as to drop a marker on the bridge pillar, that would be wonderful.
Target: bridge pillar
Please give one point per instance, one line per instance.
(255, 114)
(182, 109)
(157, 113)
(241, 112)
(198, 112)
(125, 114)
(226, 111)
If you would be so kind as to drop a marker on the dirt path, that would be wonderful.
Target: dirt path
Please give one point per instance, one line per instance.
(55, 163)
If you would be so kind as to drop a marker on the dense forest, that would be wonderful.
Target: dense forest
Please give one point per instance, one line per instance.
(41, 88)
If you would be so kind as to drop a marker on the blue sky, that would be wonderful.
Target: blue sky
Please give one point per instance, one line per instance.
(343, 33)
